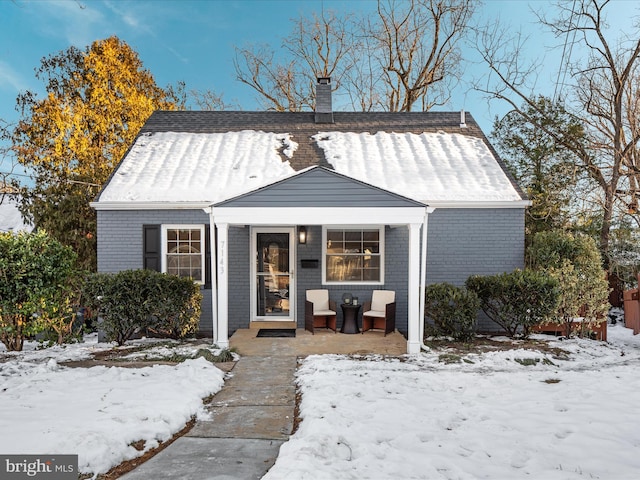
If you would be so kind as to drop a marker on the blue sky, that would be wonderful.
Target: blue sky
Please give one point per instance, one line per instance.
(193, 40)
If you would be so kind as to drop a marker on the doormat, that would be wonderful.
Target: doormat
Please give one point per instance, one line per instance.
(276, 332)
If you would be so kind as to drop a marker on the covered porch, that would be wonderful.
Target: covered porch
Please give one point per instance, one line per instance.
(321, 199)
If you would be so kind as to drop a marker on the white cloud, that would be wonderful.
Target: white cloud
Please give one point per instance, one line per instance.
(10, 79)
(80, 23)
(130, 15)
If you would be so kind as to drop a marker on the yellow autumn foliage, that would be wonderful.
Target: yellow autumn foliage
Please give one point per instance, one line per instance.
(97, 100)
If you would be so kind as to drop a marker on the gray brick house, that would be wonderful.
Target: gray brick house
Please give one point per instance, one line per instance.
(260, 206)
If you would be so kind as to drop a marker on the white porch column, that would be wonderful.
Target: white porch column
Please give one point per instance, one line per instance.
(423, 269)
(223, 286)
(413, 308)
(214, 280)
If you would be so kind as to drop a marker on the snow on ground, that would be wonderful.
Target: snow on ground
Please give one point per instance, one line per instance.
(500, 415)
(98, 412)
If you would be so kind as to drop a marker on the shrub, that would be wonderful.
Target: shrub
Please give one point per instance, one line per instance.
(516, 301)
(35, 274)
(575, 262)
(132, 301)
(452, 309)
(176, 307)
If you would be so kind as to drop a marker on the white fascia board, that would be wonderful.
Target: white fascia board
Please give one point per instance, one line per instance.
(149, 205)
(318, 215)
(491, 204)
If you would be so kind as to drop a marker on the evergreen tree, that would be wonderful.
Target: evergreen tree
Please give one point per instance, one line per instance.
(576, 263)
(544, 168)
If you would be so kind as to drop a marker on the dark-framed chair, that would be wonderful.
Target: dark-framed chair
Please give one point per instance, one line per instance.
(380, 312)
(319, 311)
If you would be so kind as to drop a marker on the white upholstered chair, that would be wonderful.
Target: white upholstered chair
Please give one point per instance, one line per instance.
(380, 312)
(319, 311)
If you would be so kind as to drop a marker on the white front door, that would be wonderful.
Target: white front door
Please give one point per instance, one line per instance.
(273, 285)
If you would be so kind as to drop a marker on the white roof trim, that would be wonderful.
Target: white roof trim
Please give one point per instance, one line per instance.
(204, 205)
(467, 204)
(149, 205)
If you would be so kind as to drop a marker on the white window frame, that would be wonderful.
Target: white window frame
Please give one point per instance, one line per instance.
(181, 226)
(381, 237)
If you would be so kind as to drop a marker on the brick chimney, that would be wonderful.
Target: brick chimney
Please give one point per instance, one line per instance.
(324, 110)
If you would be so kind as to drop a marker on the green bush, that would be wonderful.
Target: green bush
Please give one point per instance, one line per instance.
(176, 307)
(518, 300)
(575, 262)
(35, 275)
(135, 301)
(453, 310)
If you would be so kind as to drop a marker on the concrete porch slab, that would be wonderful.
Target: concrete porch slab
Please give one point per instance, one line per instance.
(323, 342)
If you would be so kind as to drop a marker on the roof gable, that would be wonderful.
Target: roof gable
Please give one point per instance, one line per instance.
(319, 187)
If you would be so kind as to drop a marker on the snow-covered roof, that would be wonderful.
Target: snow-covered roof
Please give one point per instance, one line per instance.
(11, 218)
(198, 167)
(208, 166)
(429, 167)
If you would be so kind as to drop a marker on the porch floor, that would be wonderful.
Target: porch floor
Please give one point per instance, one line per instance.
(323, 342)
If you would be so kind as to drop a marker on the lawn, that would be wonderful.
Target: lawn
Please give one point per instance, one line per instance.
(494, 409)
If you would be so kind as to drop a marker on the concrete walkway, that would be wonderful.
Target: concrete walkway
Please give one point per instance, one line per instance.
(251, 417)
(253, 414)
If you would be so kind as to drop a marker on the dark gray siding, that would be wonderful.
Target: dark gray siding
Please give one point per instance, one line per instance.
(239, 278)
(464, 242)
(319, 187)
(396, 277)
(120, 243)
(461, 242)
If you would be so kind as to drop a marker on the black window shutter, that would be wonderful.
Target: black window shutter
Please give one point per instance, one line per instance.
(152, 248)
(207, 257)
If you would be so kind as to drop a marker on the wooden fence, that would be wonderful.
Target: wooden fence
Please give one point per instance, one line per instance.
(598, 331)
(632, 308)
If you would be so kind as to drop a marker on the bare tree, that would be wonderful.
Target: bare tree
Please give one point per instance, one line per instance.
(317, 47)
(277, 84)
(210, 100)
(418, 50)
(602, 96)
(405, 55)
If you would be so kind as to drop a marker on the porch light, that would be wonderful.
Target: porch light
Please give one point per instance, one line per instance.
(302, 235)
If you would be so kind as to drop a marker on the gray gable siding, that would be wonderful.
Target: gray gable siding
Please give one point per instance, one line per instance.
(319, 187)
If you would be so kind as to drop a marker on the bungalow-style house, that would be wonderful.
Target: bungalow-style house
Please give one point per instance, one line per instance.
(260, 207)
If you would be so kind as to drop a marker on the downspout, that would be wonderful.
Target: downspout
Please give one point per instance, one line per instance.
(423, 273)
(214, 277)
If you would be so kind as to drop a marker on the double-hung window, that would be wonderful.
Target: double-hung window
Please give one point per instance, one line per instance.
(353, 255)
(183, 251)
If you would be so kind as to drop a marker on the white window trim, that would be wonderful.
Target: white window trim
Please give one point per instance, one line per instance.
(381, 230)
(183, 226)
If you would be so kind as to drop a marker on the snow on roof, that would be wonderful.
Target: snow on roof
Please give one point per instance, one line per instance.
(211, 167)
(11, 218)
(199, 167)
(427, 167)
